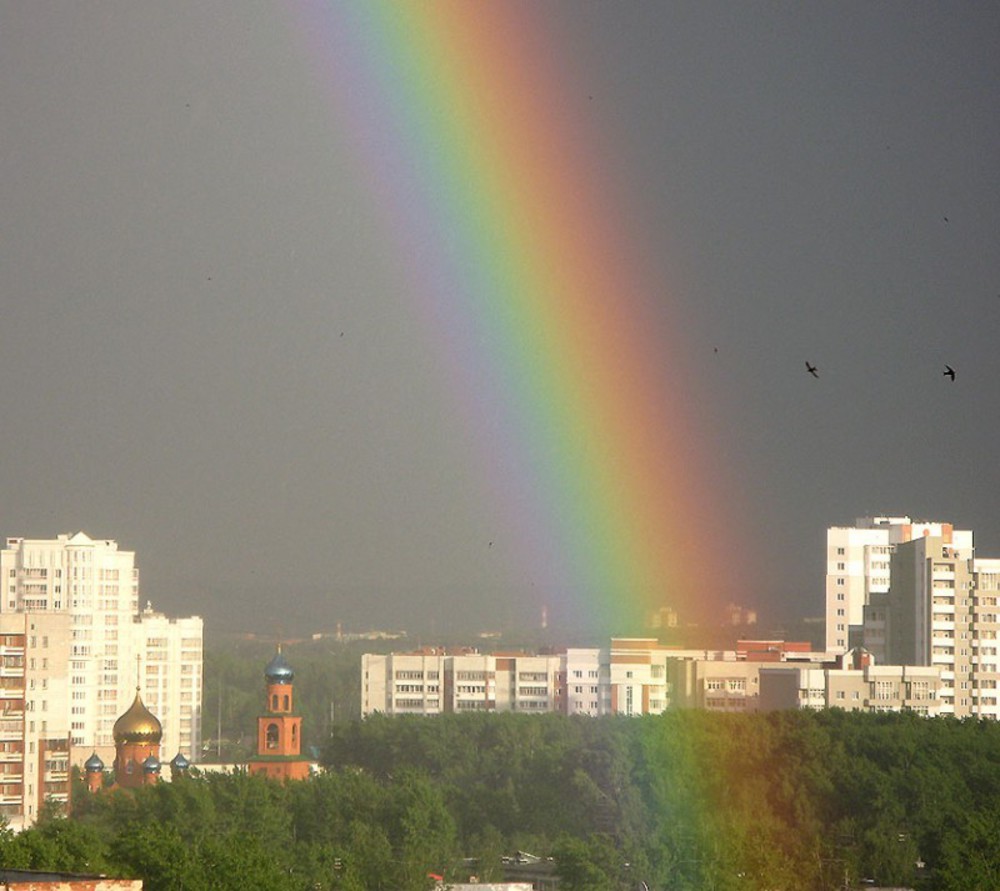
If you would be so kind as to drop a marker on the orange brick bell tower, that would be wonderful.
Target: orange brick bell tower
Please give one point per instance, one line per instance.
(279, 729)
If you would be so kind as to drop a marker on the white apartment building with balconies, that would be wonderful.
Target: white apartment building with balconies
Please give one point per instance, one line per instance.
(628, 678)
(858, 566)
(96, 585)
(172, 660)
(942, 610)
(34, 714)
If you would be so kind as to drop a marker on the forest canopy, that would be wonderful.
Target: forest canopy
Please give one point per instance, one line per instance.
(683, 800)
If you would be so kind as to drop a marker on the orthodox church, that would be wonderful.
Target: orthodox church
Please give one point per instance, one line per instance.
(137, 735)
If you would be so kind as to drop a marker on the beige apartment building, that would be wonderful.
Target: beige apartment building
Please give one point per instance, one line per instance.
(941, 610)
(858, 568)
(858, 684)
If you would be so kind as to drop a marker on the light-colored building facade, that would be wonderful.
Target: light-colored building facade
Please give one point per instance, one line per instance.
(942, 610)
(171, 653)
(638, 676)
(629, 678)
(856, 684)
(34, 718)
(586, 685)
(858, 566)
(93, 587)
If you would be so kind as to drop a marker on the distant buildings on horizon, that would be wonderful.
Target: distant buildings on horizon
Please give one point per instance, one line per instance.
(912, 622)
(640, 676)
(912, 617)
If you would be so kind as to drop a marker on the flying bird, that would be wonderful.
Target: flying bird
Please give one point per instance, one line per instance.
(811, 369)
(949, 372)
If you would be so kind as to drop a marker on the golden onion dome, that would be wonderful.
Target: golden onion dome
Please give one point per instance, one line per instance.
(138, 724)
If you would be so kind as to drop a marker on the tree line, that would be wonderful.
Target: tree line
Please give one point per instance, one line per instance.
(683, 800)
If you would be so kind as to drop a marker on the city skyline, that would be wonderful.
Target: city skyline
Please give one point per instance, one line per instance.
(213, 351)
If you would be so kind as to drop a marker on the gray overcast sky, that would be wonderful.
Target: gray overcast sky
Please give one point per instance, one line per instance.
(184, 236)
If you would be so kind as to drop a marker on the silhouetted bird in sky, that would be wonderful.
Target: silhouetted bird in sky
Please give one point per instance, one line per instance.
(949, 372)
(811, 369)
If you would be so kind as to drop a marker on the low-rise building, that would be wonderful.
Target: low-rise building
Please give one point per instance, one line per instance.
(854, 683)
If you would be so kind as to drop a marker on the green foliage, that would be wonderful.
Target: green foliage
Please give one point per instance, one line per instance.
(685, 800)
(327, 690)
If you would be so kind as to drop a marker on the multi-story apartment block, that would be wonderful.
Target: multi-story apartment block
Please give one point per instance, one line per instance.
(171, 651)
(93, 587)
(855, 684)
(586, 687)
(941, 611)
(470, 683)
(729, 680)
(637, 677)
(34, 727)
(628, 678)
(858, 567)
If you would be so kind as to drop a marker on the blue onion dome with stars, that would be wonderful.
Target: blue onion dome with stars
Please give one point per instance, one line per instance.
(179, 762)
(278, 670)
(93, 764)
(151, 765)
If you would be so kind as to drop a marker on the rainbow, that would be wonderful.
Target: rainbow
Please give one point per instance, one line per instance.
(494, 190)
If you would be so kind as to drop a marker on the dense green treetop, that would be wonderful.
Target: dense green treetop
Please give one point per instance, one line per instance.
(684, 800)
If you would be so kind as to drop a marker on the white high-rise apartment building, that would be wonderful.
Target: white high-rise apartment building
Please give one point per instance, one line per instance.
(942, 611)
(110, 644)
(858, 566)
(172, 680)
